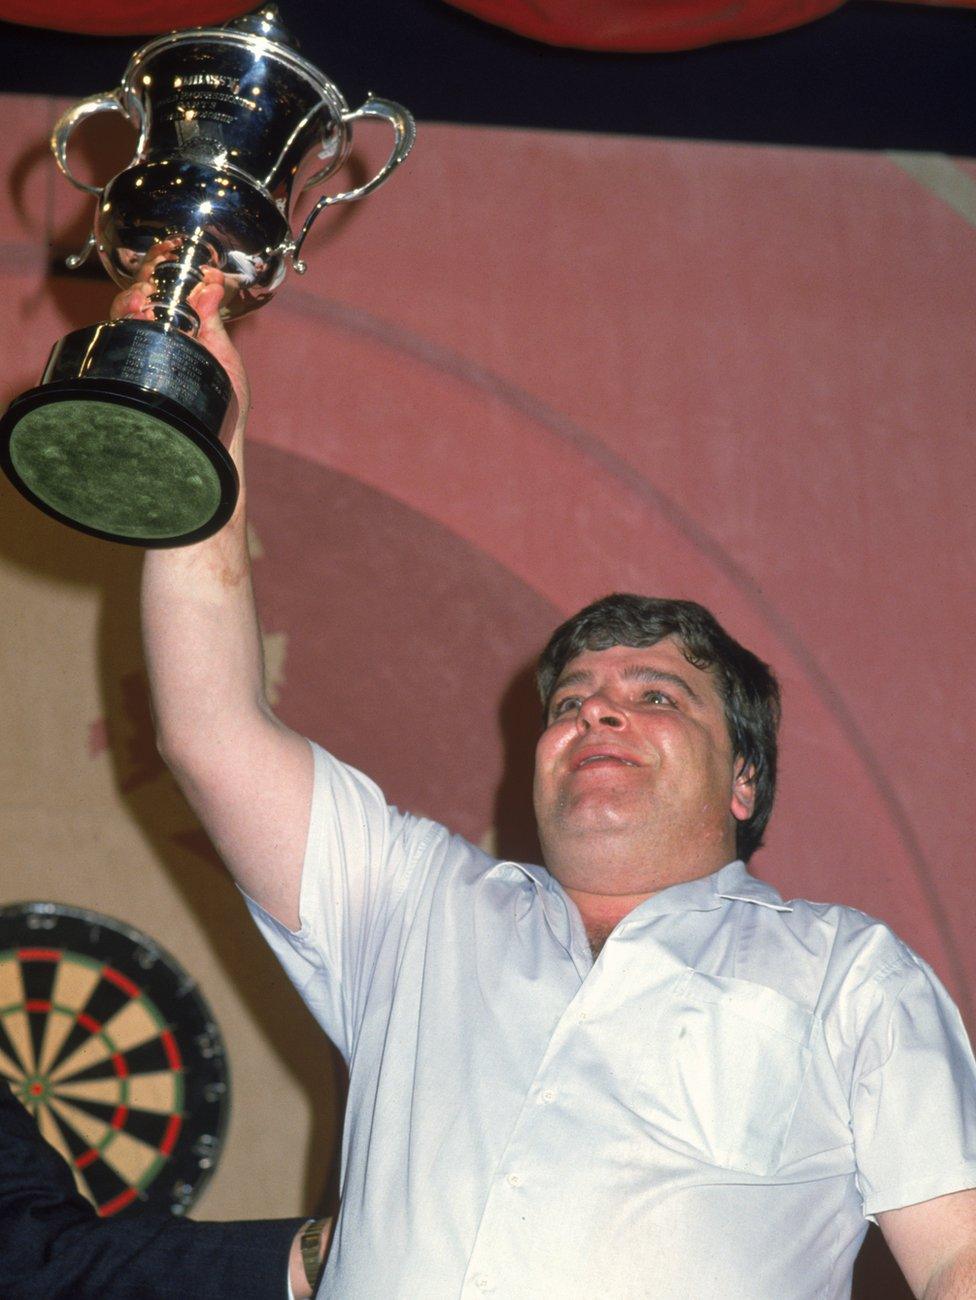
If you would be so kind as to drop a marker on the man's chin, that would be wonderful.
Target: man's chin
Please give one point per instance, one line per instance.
(589, 820)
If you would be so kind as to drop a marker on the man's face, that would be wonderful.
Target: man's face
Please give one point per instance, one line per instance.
(636, 752)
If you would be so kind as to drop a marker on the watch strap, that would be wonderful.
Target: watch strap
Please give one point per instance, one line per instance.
(311, 1244)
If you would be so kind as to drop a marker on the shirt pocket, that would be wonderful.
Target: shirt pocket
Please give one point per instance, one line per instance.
(723, 1076)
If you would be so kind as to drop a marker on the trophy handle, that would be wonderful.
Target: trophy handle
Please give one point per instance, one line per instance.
(108, 102)
(404, 134)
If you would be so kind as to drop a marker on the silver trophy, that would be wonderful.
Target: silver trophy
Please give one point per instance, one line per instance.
(123, 436)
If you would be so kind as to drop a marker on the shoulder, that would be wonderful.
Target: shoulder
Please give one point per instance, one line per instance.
(835, 960)
(873, 987)
(343, 793)
(863, 944)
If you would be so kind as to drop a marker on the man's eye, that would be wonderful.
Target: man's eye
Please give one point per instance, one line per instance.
(656, 697)
(568, 704)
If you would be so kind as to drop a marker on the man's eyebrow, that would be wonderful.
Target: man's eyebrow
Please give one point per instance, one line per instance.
(633, 673)
(644, 673)
(578, 678)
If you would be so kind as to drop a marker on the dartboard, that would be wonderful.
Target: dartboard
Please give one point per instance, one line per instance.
(110, 1046)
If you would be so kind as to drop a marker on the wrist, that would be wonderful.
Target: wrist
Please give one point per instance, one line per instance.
(306, 1256)
(314, 1237)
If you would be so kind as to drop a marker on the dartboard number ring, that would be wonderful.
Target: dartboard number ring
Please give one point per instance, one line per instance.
(109, 1044)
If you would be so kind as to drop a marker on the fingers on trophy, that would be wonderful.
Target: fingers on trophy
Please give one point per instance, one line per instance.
(125, 436)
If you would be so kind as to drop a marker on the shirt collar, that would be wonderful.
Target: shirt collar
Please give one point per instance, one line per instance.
(524, 873)
(733, 884)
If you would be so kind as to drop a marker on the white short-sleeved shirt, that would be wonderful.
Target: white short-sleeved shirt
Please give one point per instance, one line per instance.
(711, 1108)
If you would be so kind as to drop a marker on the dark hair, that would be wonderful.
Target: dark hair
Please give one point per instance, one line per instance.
(747, 686)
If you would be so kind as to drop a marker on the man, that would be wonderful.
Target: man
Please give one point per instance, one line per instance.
(53, 1246)
(636, 1072)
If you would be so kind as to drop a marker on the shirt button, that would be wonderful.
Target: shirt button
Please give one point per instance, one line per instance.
(548, 1095)
(582, 1016)
(480, 1281)
(514, 1180)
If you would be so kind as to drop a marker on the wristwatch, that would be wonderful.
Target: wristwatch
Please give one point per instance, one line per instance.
(311, 1246)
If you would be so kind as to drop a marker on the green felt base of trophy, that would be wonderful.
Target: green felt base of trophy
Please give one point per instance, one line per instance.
(119, 463)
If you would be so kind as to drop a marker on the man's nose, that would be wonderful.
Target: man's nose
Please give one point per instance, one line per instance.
(598, 710)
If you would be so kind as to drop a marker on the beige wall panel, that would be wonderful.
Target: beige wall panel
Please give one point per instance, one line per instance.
(89, 818)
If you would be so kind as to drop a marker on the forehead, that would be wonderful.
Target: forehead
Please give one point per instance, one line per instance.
(593, 667)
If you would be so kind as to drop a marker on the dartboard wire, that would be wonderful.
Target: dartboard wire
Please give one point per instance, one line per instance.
(11, 1071)
(51, 1112)
(102, 1136)
(7, 1045)
(99, 1132)
(164, 1032)
(155, 1092)
(52, 1132)
(100, 1045)
(14, 1013)
(175, 1111)
(94, 1050)
(11, 981)
(133, 1035)
(122, 1077)
(133, 1161)
(125, 1080)
(14, 1021)
(59, 1025)
(82, 971)
(13, 1016)
(77, 976)
(102, 1147)
(153, 1171)
(56, 1123)
(38, 967)
(66, 1016)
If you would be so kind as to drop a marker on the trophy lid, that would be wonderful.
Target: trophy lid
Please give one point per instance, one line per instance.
(259, 32)
(264, 21)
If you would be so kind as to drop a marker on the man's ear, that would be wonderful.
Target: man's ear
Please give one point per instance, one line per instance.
(743, 803)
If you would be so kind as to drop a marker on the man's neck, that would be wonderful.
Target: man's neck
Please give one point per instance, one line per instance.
(608, 875)
(602, 913)
(629, 863)
(604, 904)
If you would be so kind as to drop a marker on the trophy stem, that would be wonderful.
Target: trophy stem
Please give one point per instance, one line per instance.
(174, 279)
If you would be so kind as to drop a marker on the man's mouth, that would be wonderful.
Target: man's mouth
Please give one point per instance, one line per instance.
(602, 756)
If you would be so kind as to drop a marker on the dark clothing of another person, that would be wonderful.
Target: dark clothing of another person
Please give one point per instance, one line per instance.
(53, 1246)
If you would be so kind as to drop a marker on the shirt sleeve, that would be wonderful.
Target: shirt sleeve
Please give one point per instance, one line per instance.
(913, 1107)
(359, 857)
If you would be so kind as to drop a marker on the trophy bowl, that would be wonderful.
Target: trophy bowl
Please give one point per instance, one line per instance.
(125, 436)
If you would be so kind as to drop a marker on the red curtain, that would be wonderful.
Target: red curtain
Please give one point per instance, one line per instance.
(601, 25)
(646, 24)
(121, 17)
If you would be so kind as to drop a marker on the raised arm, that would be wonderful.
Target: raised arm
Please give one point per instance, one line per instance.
(247, 776)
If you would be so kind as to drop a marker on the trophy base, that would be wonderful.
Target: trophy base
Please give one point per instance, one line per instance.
(118, 461)
(121, 439)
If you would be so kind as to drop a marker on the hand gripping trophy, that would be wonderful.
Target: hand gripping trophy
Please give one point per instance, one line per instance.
(122, 438)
